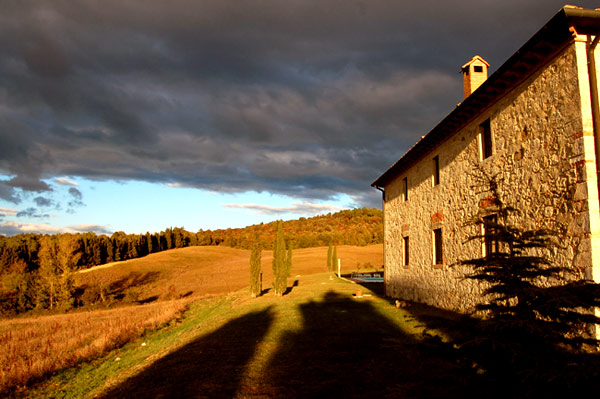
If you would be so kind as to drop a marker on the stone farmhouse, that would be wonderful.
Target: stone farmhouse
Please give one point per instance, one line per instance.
(536, 123)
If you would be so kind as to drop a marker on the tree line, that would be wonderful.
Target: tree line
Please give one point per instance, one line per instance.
(360, 227)
(92, 249)
(350, 227)
(37, 269)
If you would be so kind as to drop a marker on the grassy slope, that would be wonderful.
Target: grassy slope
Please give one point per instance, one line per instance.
(199, 271)
(316, 339)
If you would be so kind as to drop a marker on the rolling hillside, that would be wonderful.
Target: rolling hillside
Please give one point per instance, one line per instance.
(131, 298)
(201, 271)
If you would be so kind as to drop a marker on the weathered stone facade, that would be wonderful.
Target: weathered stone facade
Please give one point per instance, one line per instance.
(543, 154)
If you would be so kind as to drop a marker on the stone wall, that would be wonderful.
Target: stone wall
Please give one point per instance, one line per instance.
(541, 155)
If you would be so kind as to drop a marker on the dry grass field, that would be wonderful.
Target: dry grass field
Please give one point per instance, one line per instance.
(211, 270)
(33, 347)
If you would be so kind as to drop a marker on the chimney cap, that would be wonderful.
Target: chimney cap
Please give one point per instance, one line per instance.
(472, 60)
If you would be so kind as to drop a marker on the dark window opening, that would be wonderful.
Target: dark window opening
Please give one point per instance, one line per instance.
(490, 234)
(477, 68)
(406, 246)
(436, 170)
(486, 139)
(405, 188)
(437, 247)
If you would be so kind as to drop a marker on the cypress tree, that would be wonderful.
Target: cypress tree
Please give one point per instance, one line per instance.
(334, 260)
(537, 320)
(255, 259)
(279, 262)
(329, 257)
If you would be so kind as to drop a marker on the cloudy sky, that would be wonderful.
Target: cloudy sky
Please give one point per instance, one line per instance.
(140, 115)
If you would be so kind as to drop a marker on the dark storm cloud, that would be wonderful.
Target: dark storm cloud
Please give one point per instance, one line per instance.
(8, 193)
(306, 98)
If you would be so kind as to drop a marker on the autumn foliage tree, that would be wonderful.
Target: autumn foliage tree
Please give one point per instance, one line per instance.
(57, 256)
(18, 292)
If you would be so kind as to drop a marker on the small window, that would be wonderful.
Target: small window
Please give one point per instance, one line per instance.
(438, 254)
(436, 170)
(405, 189)
(406, 249)
(486, 139)
(477, 68)
(490, 239)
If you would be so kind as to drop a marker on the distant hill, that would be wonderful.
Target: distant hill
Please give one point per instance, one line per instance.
(199, 271)
(349, 227)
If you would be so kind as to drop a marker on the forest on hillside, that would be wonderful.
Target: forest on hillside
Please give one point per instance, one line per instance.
(35, 269)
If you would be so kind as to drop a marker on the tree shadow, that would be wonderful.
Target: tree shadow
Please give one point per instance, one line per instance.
(347, 349)
(508, 357)
(289, 289)
(209, 367)
(150, 299)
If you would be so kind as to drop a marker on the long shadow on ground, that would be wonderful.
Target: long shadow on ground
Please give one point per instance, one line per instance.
(347, 349)
(506, 360)
(210, 367)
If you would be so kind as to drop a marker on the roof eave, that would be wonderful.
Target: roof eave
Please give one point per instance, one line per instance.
(549, 40)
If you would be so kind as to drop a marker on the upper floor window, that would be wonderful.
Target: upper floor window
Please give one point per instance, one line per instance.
(490, 235)
(436, 170)
(485, 134)
(405, 189)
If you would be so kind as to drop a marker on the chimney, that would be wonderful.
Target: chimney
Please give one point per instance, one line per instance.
(474, 74)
